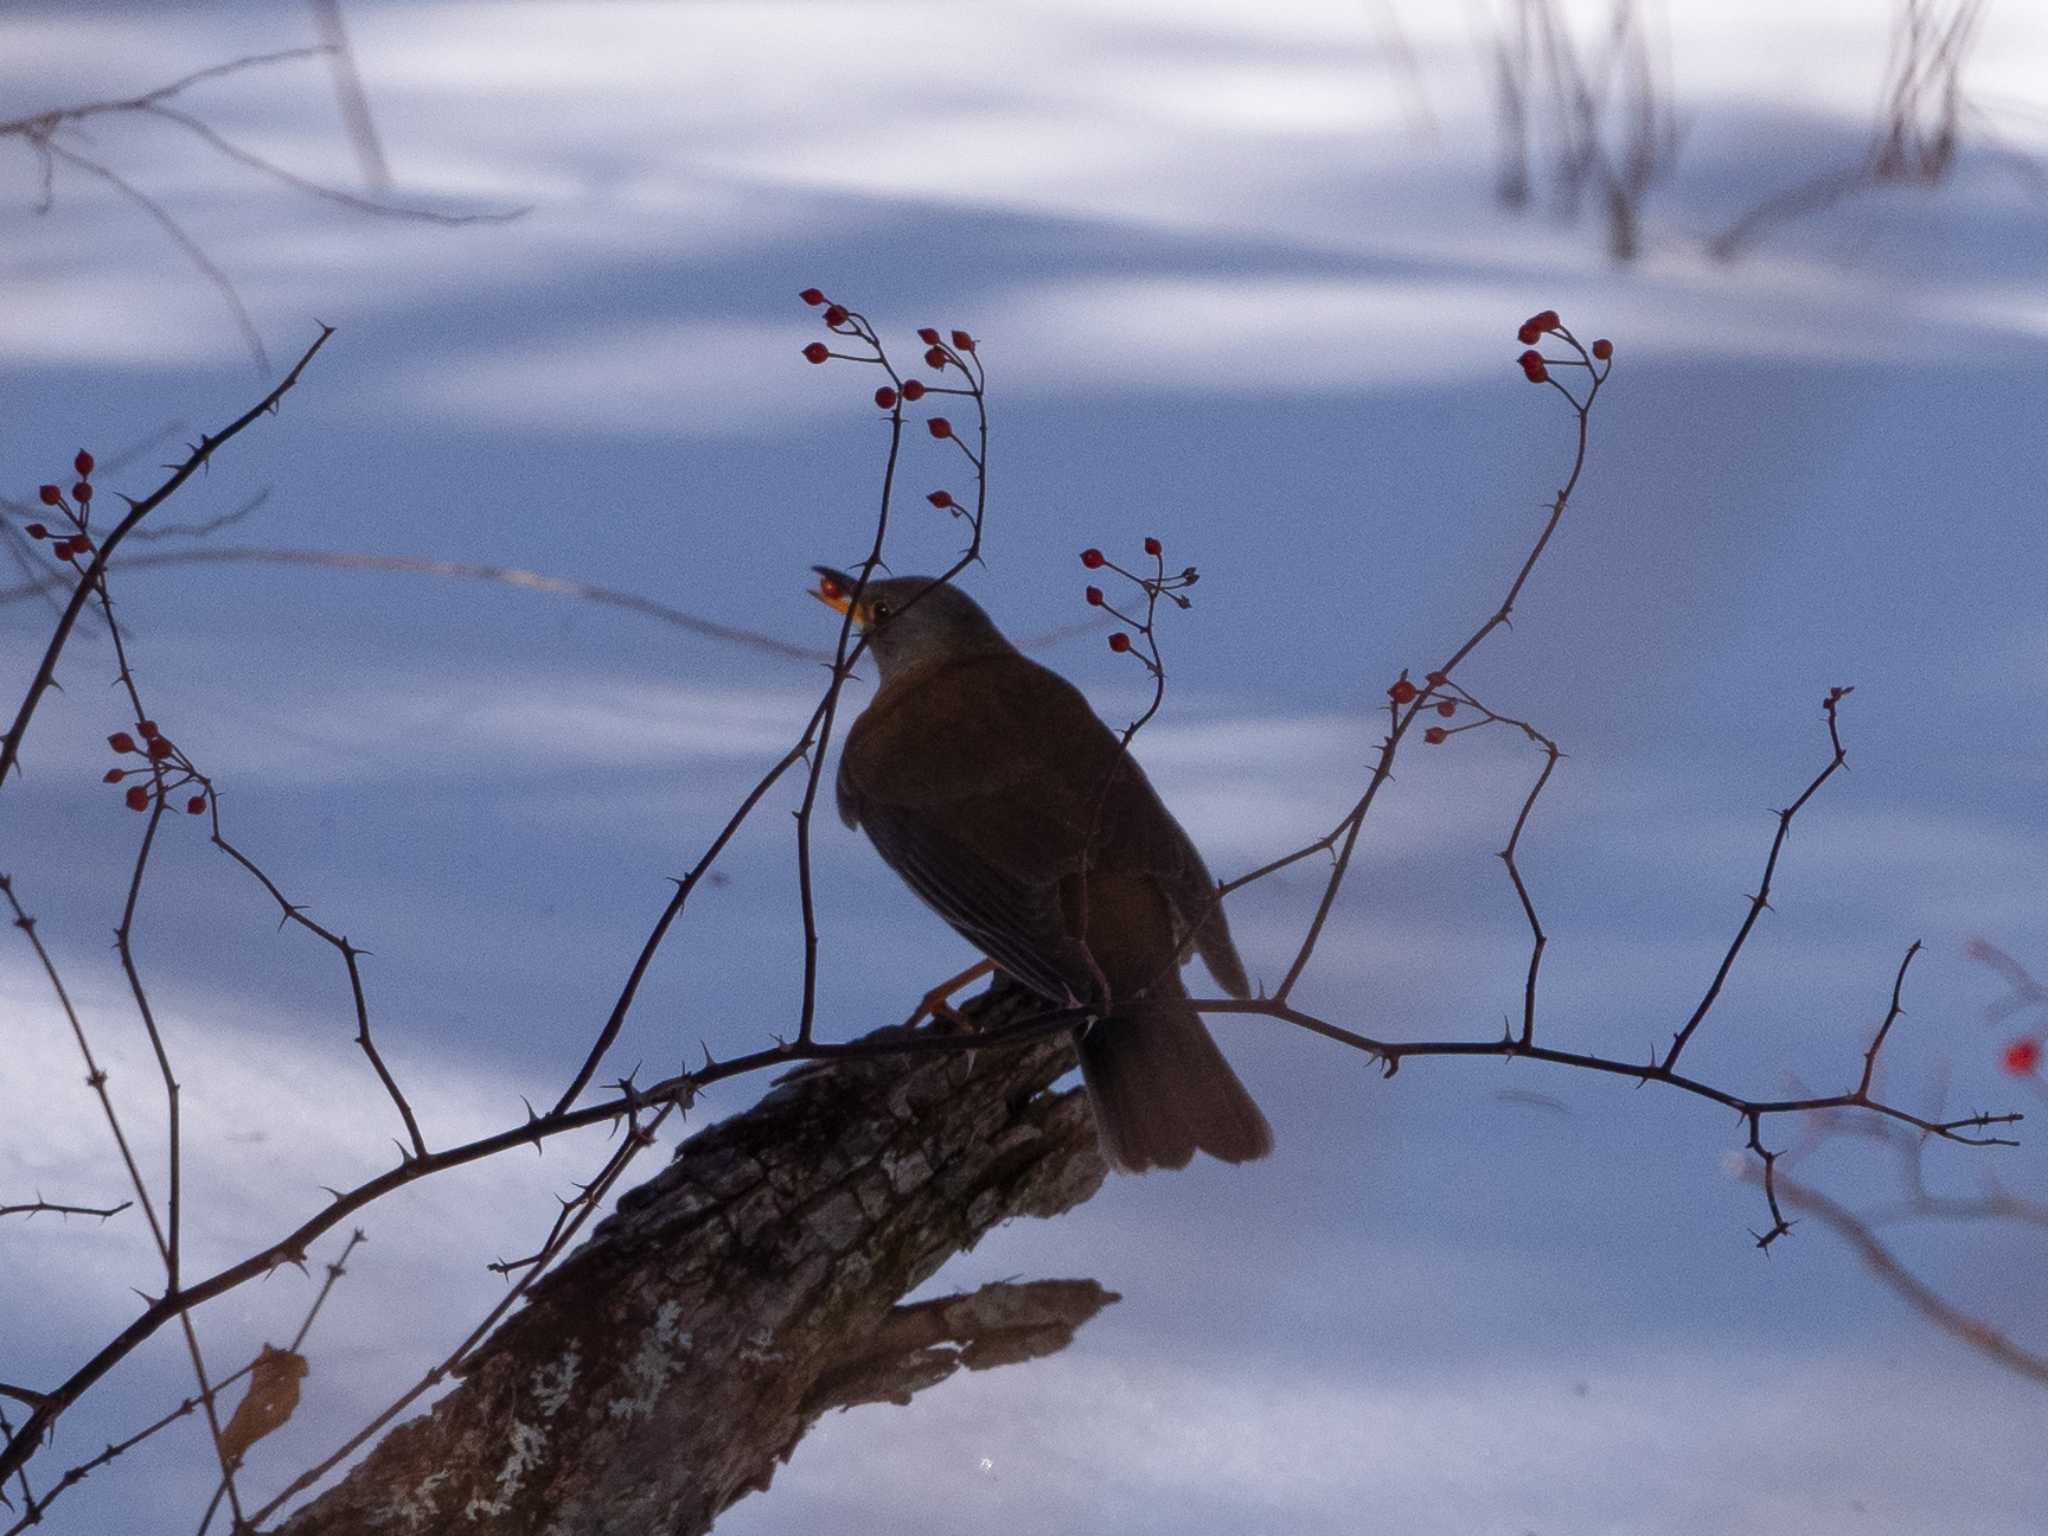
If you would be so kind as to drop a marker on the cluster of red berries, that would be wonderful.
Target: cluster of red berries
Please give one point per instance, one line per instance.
(1535, 367)
(935, 354)
(157, 748)
(1404, 693)
(1154, 586)
(839, 318)
(79, 509)
(888, 397)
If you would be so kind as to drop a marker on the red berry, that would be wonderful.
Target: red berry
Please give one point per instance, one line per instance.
(1603, 349)
(817, 352)
(928, 336)
(827, 587)
(939, 427)
(835, 315)
(1153, 547)
(1532, 367)
(1434, 735)
(159, 748)
(137, 798)
(1447, 708)
(1092, 558)
(1095, 597)
(83, 464)
(962, 342)
(113, 775)
(36, 531)
(812, 296)
(195, 805)
(82, 491)
(913, 389)
(885, 397)
(1119, 642)
(1402, 692)
(147, 727)
(1527, 334)
(935, 357)
(940, 499)
(2022, 1057)
(1437, 679)
(121, 741)
(1543, 320)
(51, 495)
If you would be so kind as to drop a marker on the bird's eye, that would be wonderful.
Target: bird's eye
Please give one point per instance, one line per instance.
(881, 609)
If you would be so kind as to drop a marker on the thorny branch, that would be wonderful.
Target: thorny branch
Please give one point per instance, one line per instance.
(201, 454)
(40, 1207)
(73, 1476)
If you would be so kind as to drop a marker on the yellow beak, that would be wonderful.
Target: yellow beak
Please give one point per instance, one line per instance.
(835, 591)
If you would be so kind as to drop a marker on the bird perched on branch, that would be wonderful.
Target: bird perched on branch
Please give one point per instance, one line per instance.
(990, 786)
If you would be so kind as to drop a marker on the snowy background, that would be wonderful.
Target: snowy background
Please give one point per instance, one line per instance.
(1240, 284)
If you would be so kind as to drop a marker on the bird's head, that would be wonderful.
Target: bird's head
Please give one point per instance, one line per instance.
(911, 621)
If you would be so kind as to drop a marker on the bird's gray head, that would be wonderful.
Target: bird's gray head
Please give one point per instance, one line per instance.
(912, 620)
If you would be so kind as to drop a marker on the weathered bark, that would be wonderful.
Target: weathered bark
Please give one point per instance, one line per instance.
(673, 1361)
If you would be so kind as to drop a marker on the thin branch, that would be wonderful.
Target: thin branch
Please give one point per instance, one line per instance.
(1761, 901)
(40, 124)
(10, 744)
(1354, 822)
(77, 1474)
(124, 934)
(1930, 1304)
(349, 94)
(346, 199)
(40, 1206)
(501, 575)
(194, 252)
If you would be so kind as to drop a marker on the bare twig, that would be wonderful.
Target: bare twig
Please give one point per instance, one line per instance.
(201, 454)
(193, 251)
(1919, 128)
(53, 136)
(1923, 1298)
(39, 1207)
(349, 94)
(1761, 901)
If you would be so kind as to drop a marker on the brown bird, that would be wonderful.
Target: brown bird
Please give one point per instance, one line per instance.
(990, 786)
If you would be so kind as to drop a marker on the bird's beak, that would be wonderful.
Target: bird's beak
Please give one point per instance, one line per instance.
(835, 591)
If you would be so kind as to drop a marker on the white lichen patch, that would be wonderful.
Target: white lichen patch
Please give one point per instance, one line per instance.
(758, 1348)
(551, 1385)
(414, 1509)
(528, 1445)
(661, 1350)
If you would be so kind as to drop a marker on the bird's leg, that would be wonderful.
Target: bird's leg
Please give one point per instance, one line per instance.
(937, 1003)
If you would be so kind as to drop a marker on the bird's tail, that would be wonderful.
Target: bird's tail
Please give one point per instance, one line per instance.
(1161, 1089)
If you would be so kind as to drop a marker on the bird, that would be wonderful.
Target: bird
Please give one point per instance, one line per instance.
(988, 783)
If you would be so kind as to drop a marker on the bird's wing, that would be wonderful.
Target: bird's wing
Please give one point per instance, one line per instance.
(1138, 834)
(1016, 923)
(990, 782)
